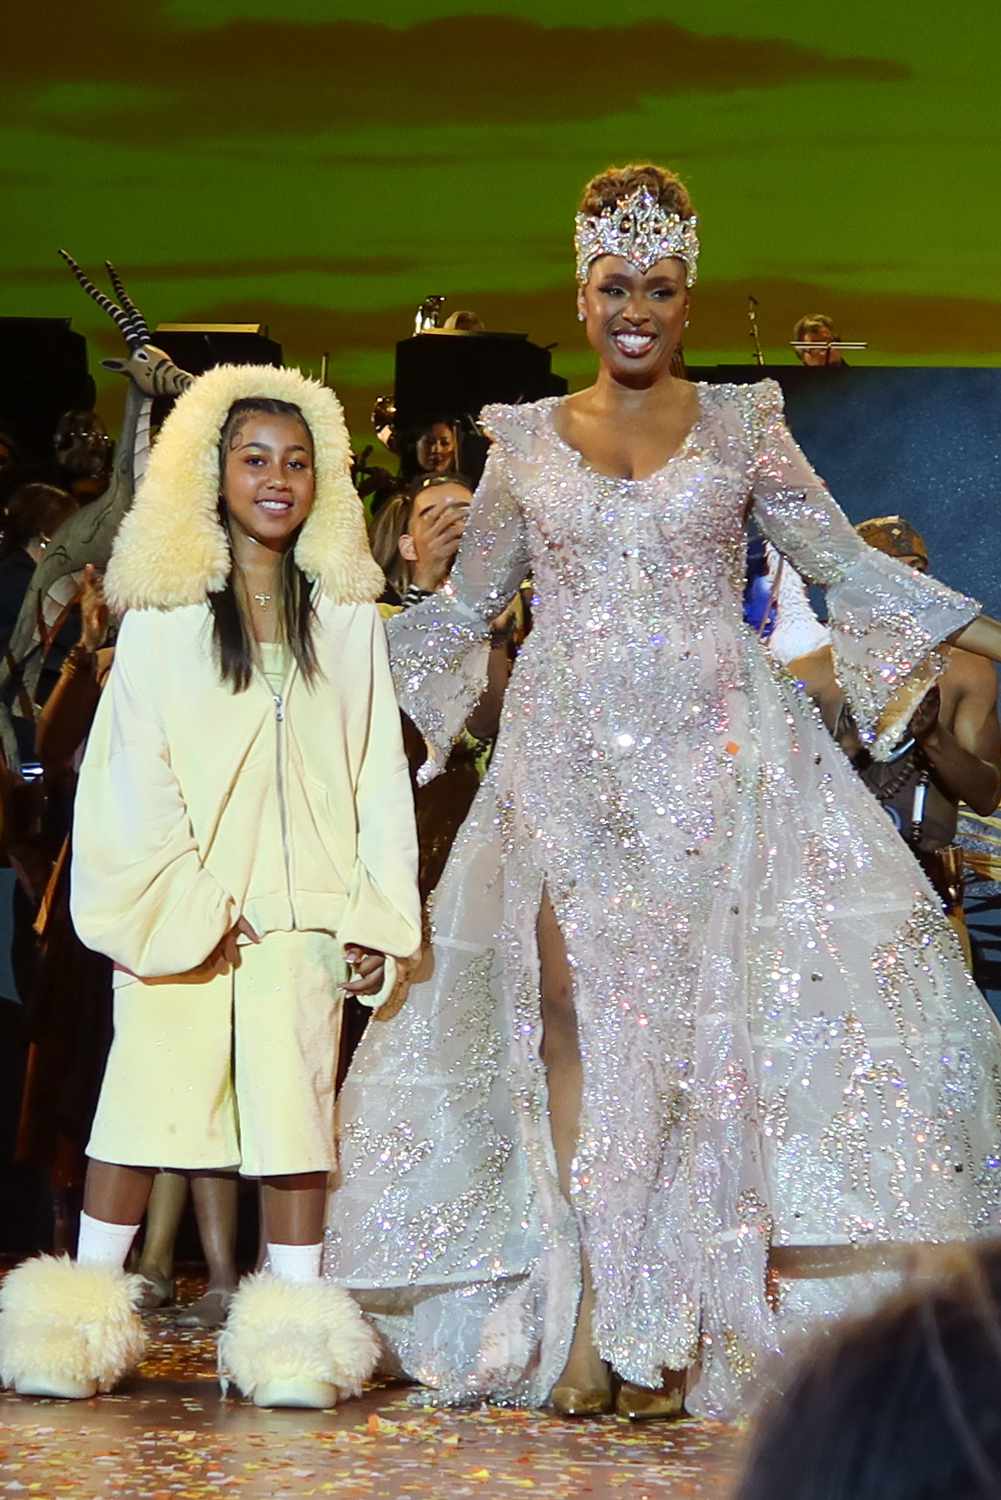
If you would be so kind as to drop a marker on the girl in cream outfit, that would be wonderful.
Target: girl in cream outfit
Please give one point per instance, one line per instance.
(244, 832)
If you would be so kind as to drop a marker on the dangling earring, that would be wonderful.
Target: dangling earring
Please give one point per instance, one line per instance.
(580, 316)
(687, 321)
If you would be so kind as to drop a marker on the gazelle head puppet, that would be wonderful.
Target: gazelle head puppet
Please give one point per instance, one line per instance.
(87, 536)
(153, 371)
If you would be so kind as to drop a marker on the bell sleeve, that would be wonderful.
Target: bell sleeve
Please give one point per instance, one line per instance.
(439, 648)
(139, 892)
(886, 620)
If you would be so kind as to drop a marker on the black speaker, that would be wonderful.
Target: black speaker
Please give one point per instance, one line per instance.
(444, 374)
(43, 372)
(197, 347)
(451, 376)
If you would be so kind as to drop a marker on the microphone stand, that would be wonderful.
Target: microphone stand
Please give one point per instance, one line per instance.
(752, 317)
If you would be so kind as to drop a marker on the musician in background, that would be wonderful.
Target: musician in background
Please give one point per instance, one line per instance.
(950, 751)
(817, 328)
(438, 448)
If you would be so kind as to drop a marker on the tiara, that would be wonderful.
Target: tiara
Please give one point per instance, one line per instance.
(638, 229)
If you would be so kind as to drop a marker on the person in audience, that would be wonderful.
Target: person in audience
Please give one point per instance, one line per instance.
(9, 451)
(84, 452)
(416, 535)
(777, 606)
(68, 999)
(30, 519)
(438, 448)
(818, 329)
(900, 1404)
(950, 751)
(415, 540)
(32, 516)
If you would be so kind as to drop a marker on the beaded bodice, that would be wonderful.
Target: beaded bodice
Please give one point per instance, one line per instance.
(665, 552)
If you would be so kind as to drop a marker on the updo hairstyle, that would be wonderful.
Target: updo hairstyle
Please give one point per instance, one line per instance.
(616, 183)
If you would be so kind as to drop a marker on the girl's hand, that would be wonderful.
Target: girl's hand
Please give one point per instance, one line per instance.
(369, 970)
(224, 955)
(93, 610)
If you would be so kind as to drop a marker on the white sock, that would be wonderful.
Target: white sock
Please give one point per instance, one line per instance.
(295, 1262)
(103, 1244)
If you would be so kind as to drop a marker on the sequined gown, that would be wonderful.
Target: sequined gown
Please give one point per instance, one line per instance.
(780, 1043)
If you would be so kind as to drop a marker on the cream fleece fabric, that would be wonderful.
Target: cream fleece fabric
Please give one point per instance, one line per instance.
(246, 1063)
(197, 804)
(63, 1322)
(282, 1331)
(172, 549)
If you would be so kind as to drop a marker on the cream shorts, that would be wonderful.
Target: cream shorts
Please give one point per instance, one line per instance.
(233, 1069)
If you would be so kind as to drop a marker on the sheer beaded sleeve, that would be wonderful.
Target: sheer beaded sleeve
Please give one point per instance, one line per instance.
(886, 620)
(439, 649)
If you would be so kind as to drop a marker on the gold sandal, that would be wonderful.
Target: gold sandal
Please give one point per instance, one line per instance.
(572, 1401)
(638, 1403)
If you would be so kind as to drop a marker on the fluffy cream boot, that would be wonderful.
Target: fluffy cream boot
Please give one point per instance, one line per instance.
(295, 1343)
(68, 1330)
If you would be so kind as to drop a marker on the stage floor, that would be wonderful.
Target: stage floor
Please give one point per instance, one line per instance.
(168, 1435)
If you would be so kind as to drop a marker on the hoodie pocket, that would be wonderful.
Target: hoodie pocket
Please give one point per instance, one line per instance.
(323, 843)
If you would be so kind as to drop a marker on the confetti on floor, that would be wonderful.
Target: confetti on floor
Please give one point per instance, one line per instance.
(168, 1435)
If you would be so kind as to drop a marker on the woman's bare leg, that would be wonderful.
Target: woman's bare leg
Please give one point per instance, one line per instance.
(215, 1196)
(163, 1220)
(561, 1055)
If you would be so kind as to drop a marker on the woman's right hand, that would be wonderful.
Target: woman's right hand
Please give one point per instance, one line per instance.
(224, 954)
(93, 610)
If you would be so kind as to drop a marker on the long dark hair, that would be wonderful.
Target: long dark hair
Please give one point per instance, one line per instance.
(231, 637)
(899, 1405)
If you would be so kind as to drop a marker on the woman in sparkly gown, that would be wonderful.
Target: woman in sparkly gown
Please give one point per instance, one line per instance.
(694, 1060)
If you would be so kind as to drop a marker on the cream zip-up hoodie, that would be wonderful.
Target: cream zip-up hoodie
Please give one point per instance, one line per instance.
(197, 805)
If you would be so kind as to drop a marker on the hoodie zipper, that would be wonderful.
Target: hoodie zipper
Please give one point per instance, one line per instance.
(279, 703)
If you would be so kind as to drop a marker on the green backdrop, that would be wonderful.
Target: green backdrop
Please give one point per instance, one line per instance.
(301, 164)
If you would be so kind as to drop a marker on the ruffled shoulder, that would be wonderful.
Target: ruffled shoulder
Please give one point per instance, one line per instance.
(762, 401)
(518, 428)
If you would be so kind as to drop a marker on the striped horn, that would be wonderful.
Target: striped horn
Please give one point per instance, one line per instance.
(141, 329)
(111, 308)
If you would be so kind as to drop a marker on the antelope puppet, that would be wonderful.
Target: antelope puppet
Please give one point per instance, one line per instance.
(87, 537)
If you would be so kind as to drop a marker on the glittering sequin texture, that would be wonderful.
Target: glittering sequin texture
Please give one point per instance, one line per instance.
(780, 1043)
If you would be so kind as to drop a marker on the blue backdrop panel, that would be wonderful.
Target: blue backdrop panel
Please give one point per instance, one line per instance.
(924, 443)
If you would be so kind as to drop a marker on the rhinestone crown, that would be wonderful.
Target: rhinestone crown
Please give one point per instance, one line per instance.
(638, 229)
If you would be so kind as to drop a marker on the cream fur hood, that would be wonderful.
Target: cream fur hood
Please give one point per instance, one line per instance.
(172, 549)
